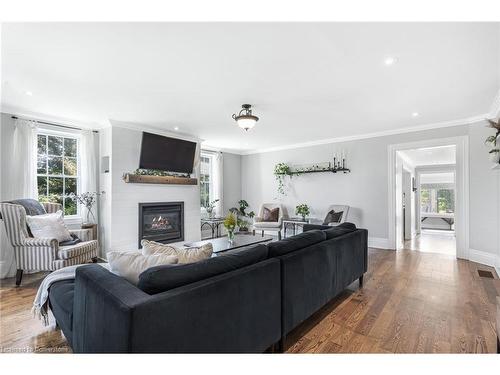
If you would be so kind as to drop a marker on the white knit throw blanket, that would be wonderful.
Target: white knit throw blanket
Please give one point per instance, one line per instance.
(40, 304)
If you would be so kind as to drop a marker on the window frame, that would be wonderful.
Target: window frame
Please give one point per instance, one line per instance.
(210, 156)
(63, 134)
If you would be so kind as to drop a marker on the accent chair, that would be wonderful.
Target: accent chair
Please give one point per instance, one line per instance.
(42, 254)
(269, 226)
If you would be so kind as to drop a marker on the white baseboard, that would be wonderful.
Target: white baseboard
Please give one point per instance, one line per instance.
(482, 257)
(378, 243)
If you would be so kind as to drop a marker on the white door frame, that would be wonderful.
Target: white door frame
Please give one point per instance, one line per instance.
(429, 169)
(462, 188)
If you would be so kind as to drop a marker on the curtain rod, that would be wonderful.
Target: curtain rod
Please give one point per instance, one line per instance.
(51, 123)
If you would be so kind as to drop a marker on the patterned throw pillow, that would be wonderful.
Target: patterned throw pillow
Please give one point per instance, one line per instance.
(271, 215)
(333, 217)
(185, 255)
(130, 264)
(49, 226)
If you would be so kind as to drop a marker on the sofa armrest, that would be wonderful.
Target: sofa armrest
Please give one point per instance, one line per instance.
(41, 242)
(103, 310)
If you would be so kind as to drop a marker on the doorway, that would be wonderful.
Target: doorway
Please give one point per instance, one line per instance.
(428, 196)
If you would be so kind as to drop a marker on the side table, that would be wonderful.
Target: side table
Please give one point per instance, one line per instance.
(295, 222)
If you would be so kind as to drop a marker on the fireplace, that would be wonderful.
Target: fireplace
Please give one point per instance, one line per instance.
(161, 222)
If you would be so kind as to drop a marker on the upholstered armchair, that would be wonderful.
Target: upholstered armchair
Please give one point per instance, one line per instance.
(270, 226)
(337, 209)
(43, 254)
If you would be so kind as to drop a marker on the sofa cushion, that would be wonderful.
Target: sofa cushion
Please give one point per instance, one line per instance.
(267, 224)
(162, 278)
(295, 243)
(61, 295)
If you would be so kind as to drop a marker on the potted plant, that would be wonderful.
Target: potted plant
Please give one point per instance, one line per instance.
(280, 171)
(302, 210)
(210, 208)
(230, 223)
(87, 200)
(241, 215)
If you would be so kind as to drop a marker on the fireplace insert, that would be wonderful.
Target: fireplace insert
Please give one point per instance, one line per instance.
(161, 222)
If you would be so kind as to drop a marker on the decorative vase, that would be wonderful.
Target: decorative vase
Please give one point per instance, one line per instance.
(88, 216)
(230, 235)
(303, 217)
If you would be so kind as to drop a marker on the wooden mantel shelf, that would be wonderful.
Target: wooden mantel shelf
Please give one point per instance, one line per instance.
(171, 180)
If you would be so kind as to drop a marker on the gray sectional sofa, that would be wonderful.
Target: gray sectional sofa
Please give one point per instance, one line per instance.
(243, 301)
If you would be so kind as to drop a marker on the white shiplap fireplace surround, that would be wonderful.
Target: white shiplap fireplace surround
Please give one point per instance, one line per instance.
(119, 205)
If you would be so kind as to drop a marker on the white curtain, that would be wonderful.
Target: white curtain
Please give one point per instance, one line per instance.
(24, 184)
(20, 171)
(218, 181)
(88, 163)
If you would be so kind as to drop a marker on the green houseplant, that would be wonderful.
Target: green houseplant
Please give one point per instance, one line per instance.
(242, 215)
(281, 170)
(302, 210)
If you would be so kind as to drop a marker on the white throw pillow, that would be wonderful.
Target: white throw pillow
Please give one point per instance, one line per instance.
(131, 264)
(49, 226)
(185, 255)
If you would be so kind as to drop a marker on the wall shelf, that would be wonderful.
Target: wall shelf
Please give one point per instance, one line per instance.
(167, 180)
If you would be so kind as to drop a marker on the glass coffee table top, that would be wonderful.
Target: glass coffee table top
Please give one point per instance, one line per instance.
(240, 240)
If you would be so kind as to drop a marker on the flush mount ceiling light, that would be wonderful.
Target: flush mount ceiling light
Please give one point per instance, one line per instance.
(389, 61)
(245, 119)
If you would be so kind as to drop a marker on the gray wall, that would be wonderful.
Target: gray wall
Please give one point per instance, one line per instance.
(231, 180)
(365, 188)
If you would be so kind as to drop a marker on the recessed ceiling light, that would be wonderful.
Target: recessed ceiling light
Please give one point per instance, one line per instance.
(415, 114)
(29, 93)
(176, 128)
(389, 61)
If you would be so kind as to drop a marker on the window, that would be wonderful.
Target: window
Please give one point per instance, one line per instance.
(206, 179)
(437, 199)
(57, 170)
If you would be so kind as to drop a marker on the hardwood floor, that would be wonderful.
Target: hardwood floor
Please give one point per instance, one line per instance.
(411, 302)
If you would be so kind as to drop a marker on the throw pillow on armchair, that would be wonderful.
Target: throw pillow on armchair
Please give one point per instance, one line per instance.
(271, 215)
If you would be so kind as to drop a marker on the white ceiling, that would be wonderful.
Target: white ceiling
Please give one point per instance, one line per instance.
(307, 81)
(430, 156)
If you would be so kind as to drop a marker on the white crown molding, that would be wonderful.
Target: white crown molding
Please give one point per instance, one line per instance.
(153, 129)
(437, 125)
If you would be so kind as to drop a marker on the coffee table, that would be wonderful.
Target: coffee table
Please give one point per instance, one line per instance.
(222, 244)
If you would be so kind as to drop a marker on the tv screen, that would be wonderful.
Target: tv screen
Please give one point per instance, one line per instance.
(166, 154)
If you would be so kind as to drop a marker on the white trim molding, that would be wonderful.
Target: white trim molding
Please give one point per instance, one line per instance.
(437, 125)
(483, 257)
(462, 188)
(379, 243)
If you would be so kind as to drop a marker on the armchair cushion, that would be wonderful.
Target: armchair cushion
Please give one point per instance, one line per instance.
(31, 206)
(267, 224)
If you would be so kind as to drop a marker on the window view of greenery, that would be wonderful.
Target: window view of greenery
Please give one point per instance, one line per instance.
(437, 200)
(57, 171)
(205, 168)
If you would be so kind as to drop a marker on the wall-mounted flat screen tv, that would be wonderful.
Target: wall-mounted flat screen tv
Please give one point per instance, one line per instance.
(167, 154)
